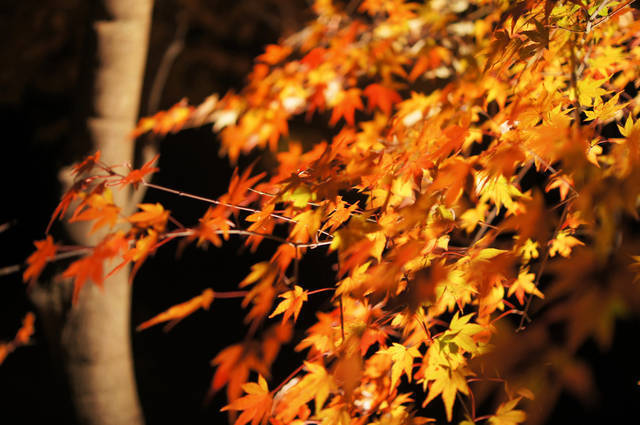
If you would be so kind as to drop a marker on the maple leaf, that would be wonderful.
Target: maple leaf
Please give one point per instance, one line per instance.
(26, 330)
(45, 250)
(499, 190)
(164, 122)
(274, 53)
(314, 58)
(605, 111)
(452, 176)
(179, 311)
(233, 366)
(99, 207)
(255, 406)
(135, 177)
(87, 165)
(524, 284)
(239, 185)
(345, 106)
(563, 243)
(264, 275)
(144, 247)
(563, 183)
(382, 97)
(152, 216)
(460, 335)
(506, 415)
(211, 225)
(291, 304)
(317, 384)
(528, 251)
(71, 195)
(447, 382)
(402, 361)
(91, 266)
(23, 336)
(339, 215)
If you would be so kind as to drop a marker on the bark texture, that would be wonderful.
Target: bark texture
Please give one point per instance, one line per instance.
(93, 338)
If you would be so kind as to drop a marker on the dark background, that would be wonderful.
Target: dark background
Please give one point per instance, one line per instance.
(39, 62)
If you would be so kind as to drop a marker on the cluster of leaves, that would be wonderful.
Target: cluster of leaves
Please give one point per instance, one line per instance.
(421, 194)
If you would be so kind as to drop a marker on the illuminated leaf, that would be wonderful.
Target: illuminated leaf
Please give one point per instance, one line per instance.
(255, 406)
(152, 216)
(402, 360)
(45, 250)
(507, 415)
(180, 311)
(346, 106)
(563, 243)
(135, 177)
(382, 97)
(291, 304)
(524, 284)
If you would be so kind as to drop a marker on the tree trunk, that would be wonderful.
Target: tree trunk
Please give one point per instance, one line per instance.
(93, 337)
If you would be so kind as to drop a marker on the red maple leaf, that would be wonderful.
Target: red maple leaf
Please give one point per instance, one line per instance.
(45, 250)
(346, 107)
(86, 165)
(382, 97)
(135, 177)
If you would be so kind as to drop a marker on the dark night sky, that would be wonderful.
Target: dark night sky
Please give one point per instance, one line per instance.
(172, 368)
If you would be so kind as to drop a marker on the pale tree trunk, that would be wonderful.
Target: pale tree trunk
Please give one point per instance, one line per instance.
(92, 338)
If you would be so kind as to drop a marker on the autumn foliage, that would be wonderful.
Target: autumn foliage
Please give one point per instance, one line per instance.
(483, 171)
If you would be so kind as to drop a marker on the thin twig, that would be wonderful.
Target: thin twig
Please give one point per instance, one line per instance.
(224, 204)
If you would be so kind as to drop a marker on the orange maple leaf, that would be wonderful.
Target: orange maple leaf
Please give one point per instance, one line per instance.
(563, 183)
(179, 311)
(291, 304)
(274, 53)
(24, 333)
(350, 101)
(86, 165)
(152, 216)
(99, 207)
(71, 195)
(211, 225)
(145, 246)
(135, 177)
(382, 97)
(525, 283)
(45, 250)
(314, 58)
(233, 366)
(451, 178)
(239, 186)
(255, 406)
(165, 122)
(264, 276)
(22, 336)
(91, 266)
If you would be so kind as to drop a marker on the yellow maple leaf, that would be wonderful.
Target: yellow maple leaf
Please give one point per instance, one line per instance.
(524, 284)
(446, 382)
(255, 406)
(506, 415)
(563, 243)
(291, 304)
(605, 111)
(402, 361)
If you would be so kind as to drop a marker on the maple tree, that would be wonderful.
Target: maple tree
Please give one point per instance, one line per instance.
(490, 177)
